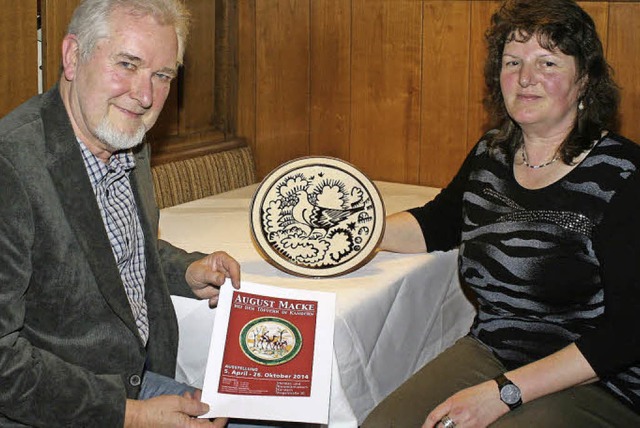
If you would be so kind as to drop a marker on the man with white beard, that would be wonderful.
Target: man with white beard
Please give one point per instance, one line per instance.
(88, 335)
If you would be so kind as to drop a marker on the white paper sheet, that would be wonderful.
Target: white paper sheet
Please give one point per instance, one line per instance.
(271, 354)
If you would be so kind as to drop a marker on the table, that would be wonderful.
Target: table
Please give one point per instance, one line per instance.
(392, 315)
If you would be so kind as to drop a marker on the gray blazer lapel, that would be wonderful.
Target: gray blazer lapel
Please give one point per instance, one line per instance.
(76, 196)
(145, 199)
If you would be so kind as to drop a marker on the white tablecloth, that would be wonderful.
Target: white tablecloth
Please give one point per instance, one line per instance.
(392, 315)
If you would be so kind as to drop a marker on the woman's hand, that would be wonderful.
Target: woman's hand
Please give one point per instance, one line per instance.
(474, 407)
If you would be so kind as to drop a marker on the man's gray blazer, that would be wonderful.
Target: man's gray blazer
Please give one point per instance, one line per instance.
(70, 352)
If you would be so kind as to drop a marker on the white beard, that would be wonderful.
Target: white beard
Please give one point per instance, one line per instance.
(116, 139)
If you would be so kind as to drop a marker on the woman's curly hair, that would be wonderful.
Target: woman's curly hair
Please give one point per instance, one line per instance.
(562, 25)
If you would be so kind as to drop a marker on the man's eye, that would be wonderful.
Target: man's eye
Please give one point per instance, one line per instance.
(127, 65)
(164, 77)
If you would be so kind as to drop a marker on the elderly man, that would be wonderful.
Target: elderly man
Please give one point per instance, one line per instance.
(88, 336)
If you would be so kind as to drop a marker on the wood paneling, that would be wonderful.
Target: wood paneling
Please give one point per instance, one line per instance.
(446, 81)
(199, 70)
(479, 120)
(226, 70)
(624, 55)
(56, 15)
(331, 78)
(246, 103)
(282, 84)
(393, 86)
(385, 85)
(18, 53)
(396, 87)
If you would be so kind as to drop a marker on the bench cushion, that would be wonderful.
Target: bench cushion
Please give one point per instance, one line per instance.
(182, 181)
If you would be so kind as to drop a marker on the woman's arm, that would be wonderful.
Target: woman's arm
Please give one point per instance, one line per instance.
(437, 225)
(402, 234)
(614, 344)
(558, 371)
(480, 405)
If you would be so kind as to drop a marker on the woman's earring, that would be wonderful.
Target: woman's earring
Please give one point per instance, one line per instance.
(580, 105)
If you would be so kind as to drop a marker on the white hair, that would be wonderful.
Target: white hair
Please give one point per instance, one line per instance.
(90, 20)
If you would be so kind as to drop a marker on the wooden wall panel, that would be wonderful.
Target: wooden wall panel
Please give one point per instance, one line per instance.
(479, 120)
(331, 78)
(199, 70)
(445, 90)
(624, 56)
(246, 103)
(385, 85)
(56, 15)
(358, 79)
(282, 84)
(18, 53)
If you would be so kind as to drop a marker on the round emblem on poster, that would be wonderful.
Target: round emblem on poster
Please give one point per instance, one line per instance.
(270, 341)
(317, 217)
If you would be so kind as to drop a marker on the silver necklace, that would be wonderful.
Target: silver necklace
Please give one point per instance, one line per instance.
(542, 165)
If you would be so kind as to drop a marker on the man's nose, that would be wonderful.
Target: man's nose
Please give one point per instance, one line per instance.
(142, 90)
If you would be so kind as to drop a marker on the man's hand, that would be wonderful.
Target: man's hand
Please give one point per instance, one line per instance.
(168, 411)
(197, 395)
(205, 276)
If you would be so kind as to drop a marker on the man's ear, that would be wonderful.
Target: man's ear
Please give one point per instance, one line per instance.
(70, 56)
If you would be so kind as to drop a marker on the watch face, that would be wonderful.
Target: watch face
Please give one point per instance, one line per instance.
(510, 394)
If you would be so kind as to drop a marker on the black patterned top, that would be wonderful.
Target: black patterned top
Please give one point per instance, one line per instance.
(550, 266)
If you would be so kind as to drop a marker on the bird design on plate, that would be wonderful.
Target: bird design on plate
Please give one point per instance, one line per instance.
(316, 220)
(316, 217)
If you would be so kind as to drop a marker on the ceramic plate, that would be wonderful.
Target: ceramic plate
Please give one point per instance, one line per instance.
(317, 217)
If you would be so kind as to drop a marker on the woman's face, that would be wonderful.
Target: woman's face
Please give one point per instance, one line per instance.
(539, 88)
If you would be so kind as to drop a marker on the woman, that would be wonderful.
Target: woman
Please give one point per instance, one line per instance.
(545, 212)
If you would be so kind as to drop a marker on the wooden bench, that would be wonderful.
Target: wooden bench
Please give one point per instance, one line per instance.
(185, 180)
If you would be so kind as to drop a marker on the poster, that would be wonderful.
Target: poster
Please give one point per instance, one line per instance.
(270, 355)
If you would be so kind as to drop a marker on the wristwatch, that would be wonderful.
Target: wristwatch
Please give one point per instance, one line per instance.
(509, 392)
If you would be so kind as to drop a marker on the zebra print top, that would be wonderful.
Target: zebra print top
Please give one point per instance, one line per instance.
(550, 266)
